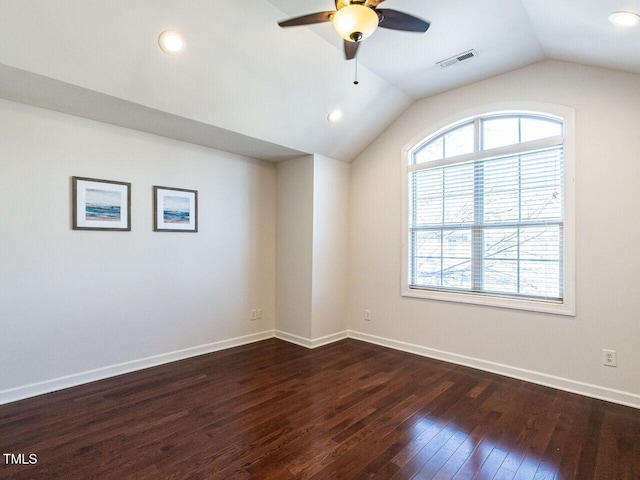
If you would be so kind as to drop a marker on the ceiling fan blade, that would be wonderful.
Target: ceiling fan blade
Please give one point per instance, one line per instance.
(401, 21)
(350, 49)
(318, 17)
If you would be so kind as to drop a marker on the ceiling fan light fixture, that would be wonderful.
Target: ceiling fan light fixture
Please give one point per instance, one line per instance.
(354, 23)
(624, 19)
(171, 42)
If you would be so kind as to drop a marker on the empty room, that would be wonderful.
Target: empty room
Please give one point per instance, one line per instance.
(277, 239)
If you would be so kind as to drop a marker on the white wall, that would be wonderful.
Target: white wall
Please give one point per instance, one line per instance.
(78, 305)
(75, 301)
(330, 247)
(294, 257)
(561, 351)
(312, 250)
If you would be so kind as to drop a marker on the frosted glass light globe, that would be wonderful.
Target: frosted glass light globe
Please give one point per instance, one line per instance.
(354, 19)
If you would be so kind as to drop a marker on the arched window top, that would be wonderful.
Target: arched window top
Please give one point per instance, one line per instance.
(485, 133)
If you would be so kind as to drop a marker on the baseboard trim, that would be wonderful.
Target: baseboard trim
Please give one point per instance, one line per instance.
(60, 383)
(595, 391)
(311, 342)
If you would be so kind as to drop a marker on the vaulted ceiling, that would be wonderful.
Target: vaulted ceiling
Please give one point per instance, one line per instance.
(247, 86)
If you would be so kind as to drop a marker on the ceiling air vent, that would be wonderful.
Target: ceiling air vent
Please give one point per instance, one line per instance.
(461, 57)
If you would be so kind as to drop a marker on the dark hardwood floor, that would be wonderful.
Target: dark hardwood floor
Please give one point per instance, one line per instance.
(350, 410)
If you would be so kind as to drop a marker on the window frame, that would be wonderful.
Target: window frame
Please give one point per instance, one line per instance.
(561, 113)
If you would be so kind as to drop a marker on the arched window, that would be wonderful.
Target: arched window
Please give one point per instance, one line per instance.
(486, 211)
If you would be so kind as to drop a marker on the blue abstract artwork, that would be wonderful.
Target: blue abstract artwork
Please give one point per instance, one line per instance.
(176, 209)
(103, 205)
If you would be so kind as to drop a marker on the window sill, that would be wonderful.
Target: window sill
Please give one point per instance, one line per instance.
(556, 308)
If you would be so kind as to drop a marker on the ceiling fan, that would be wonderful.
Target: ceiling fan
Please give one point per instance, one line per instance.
(355, 20)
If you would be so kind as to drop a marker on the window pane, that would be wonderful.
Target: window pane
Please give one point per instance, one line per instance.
(540, 243)
(459, 141)
(458, 194)
(523, 260)
(498, 132)
(540, 279)
(501, 196)
(434, 150)
(541, 184)
(456, 259)
(541, 203)
(500, 243)
(427, 186)
(500, 265)
(427, 255)
(500, 276)
(536, 128)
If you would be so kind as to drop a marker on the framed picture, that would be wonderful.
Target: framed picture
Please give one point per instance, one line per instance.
(101, 204)
(175, 210)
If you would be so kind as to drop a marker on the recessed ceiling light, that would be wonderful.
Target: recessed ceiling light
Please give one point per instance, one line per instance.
(624, 19)
(171, 42)
(335, 115)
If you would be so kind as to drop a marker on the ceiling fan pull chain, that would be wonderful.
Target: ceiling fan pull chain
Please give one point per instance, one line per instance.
(355, 81)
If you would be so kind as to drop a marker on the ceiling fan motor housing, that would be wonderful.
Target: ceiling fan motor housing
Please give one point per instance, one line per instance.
(366, 3)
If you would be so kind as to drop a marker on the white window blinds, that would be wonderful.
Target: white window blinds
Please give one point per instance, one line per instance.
(489, 219)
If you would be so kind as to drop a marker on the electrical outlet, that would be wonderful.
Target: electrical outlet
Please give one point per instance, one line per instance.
(609, 358)
(367, 315)
(254, 314)
(259, 313)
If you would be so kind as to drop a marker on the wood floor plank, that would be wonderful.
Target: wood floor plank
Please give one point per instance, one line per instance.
(350, 410)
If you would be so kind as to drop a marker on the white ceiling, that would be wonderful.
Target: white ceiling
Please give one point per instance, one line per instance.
(247, 86)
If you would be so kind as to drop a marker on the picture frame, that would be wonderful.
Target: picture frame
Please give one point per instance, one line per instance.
(175, 210)
(101, 204)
